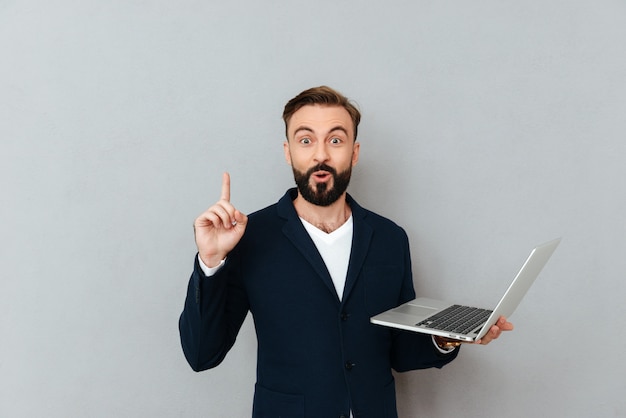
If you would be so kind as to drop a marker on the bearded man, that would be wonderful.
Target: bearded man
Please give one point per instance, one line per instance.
(312, 269)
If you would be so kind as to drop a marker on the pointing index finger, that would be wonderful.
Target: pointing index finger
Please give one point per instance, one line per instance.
(225, 187)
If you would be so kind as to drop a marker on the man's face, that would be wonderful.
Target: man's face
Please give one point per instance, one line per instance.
(321, 151)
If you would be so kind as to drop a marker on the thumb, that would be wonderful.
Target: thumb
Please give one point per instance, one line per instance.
(240, 218)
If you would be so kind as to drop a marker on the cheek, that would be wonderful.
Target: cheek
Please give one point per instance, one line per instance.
(298, 159)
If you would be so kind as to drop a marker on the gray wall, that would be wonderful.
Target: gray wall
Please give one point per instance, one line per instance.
(488, 127)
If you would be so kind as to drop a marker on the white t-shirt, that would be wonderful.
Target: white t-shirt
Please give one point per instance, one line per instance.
(335, 248)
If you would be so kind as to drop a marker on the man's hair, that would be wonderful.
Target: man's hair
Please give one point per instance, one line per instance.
(325, 96)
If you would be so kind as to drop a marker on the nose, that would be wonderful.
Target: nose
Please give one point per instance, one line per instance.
(321, 152)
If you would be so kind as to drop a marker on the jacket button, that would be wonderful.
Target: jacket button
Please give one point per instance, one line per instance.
(349, 365)
(343, 416)
(344, 316)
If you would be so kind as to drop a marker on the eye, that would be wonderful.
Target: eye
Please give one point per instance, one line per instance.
(335, 140)
(305, 141)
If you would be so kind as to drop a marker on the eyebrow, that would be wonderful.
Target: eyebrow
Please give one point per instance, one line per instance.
(307, 129)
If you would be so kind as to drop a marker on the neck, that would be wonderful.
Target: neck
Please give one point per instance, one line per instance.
(326, 218)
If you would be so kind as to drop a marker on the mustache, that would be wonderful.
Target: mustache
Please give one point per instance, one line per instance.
(321, 167)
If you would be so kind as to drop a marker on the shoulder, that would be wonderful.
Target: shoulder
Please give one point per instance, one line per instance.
(272, 217)
(264, 218)
(375, 220)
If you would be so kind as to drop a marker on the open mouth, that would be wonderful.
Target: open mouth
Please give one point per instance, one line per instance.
(321, 176)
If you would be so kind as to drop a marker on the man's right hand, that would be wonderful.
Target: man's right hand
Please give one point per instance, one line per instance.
(219, 228)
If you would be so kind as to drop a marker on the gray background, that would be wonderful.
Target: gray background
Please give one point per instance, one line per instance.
(488, 127)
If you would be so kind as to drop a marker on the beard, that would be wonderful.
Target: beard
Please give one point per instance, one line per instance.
(320, 194)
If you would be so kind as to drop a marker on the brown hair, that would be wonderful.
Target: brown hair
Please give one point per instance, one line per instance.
(322, 95)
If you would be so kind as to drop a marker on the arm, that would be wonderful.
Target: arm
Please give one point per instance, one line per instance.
(215, 306)
(214, 311)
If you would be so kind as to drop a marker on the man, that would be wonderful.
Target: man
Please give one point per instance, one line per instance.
(312, 269)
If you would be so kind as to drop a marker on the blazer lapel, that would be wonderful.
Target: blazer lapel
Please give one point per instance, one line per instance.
(295, 232)
(361, 238)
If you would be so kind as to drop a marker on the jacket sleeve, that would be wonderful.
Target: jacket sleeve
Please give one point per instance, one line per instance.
(215, 308)
(412, 350)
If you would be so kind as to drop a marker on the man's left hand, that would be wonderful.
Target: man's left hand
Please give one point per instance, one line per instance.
(495, 331)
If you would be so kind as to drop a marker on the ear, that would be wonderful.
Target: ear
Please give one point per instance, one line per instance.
(286, 151)
(355, 153)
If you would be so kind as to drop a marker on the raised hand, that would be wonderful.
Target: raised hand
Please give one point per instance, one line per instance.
(219, 228)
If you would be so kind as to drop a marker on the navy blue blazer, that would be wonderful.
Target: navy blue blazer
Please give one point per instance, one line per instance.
(317, 356)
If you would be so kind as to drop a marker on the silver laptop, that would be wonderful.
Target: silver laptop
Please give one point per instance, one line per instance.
(464, 322)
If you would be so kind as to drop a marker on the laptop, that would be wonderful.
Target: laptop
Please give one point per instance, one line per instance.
(461, 322)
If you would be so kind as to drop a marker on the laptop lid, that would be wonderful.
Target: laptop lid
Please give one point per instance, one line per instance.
(518, 288)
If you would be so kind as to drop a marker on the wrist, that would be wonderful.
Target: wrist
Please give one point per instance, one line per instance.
(211, 261)
(446, 343)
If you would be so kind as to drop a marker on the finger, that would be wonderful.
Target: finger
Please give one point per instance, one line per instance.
(505, 325)
(225, 212)
(209, 218)
(240, 218)
(488, 337)
(218, 215)
(495, 332)
(225, 187)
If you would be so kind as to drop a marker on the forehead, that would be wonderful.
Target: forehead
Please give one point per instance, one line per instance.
(320, 119)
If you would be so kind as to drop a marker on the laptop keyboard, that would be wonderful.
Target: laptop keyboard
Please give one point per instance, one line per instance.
(458, 319)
